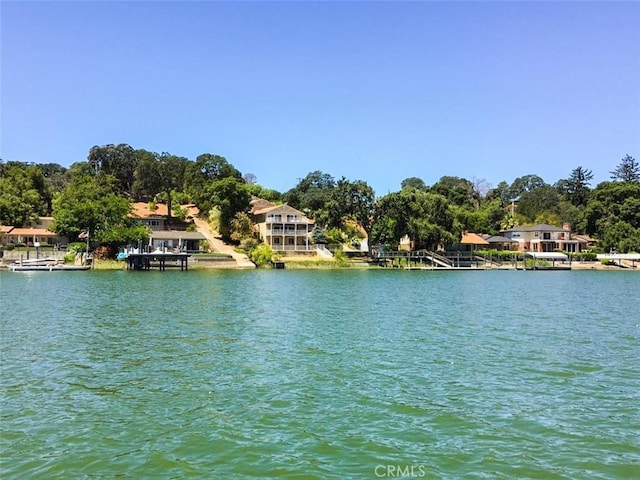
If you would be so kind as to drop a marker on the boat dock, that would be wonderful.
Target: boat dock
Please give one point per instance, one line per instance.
(162, 260)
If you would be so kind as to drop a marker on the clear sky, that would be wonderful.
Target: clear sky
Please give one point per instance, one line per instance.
(377, 91)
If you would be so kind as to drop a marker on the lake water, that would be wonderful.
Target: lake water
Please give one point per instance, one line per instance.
(320, 374)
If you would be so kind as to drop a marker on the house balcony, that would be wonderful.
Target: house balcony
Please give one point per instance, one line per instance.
(286, 231)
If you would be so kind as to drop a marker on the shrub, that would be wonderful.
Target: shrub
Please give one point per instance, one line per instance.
(261, 255)
(340, 258)
(76, 247)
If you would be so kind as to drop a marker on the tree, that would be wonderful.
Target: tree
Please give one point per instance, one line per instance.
(627, 171)
(198, 176)
(413, 182)
(541, 199)
(117, 160)
(576, 187)
(427, 218)
(611, 203)
(56, 178)
(621, 237)
(241, 227)
(391, 219)
(171, 170)
(524, 184)
(90, 204)
(231, 196)
(353, 201)
(264, 193)
(458, 191)
(312, 194)
(23, 193)
(502, 192)
(318, 235)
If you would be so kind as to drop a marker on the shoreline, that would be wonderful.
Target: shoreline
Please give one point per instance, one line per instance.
(318, 263)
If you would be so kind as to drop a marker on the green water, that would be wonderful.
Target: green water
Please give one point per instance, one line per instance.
(320, 374)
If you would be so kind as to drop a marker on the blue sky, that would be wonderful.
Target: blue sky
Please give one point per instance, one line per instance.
(377, 91)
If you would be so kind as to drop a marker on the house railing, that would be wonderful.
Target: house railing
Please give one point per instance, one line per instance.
(286, 231)
(292, 248)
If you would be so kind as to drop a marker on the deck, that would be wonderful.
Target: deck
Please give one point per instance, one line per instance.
(162, 260)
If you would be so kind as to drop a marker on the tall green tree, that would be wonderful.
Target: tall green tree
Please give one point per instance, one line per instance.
(90, 204)
(200, 174)
(23, 193)
(538, 200)
(231, 196)
(576, 187)
(427, 218)
(171, 169)
(312, 194)
(413, 182)
(353, 201)
(147, 180)
(116, 160)
(524, 184)
(627, 171)
(458, 191)
(611, 204)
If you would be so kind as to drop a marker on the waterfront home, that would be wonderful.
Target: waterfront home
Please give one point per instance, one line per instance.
(37, 233)
(175, 240)
(544, 238)
(469, 243)
(4, 233)
(282, 227)
(154, 216)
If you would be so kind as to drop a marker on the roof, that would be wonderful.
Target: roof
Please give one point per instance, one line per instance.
(260, 203)
(541, 227)
(500, 239)
(284, 208)
(141, 209)
(176, 235)
(6, 228)
(619, 256)
(585, 238)
(547, 255)
(472, 239)
(27, 232)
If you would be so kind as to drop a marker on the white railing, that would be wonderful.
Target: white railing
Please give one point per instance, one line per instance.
(292, 248)
(286, 231)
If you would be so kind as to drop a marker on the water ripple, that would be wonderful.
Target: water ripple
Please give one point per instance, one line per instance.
(320, 375)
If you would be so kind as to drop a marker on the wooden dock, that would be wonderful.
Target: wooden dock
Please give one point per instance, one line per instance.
(162, 260)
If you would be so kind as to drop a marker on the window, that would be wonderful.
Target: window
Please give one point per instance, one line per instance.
(292, 218)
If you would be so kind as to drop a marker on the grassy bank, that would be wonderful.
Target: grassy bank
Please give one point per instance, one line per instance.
(109, 265)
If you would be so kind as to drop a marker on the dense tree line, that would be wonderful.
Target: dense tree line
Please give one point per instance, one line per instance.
(96, 196)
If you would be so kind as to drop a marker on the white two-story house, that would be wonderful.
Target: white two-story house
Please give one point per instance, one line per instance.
(543, 238)
(282, 227)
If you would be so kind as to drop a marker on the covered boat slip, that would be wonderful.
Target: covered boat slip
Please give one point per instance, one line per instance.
(162, 260)
(621, 258)
(553, 257)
